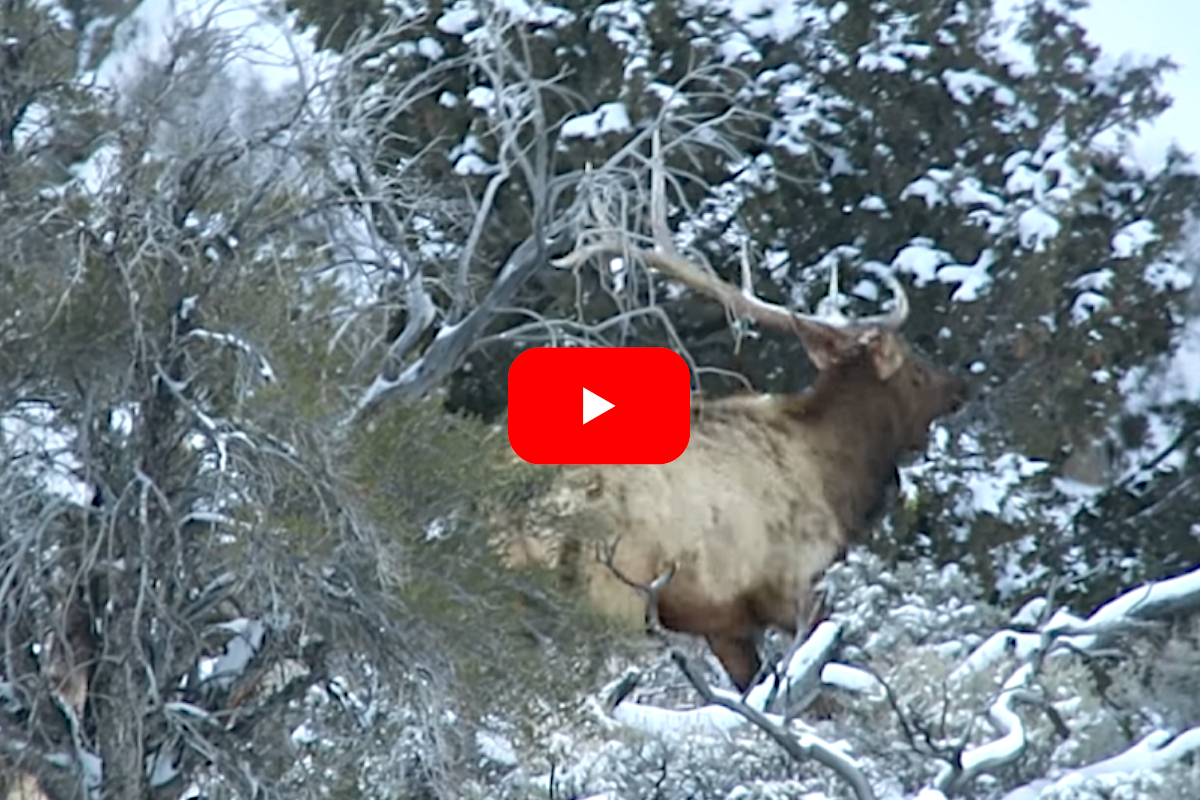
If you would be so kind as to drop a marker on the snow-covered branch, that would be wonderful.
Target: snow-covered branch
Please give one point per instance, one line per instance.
(800, 748)
(1155, 751)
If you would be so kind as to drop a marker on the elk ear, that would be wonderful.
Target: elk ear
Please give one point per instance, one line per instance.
(887, 354)
(826, 346)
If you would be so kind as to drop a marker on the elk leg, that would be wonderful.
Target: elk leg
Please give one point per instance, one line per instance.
(738, 655)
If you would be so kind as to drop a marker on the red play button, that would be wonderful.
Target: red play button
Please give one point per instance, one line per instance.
(599, 405)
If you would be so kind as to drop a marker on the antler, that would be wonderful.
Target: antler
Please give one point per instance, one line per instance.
(699, 276)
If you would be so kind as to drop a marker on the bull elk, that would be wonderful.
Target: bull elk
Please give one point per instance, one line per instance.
(771, 489)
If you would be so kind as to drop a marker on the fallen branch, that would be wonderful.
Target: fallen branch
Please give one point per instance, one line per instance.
(800, 748)
(805, 666)
(1066, 632)
(1154, 752)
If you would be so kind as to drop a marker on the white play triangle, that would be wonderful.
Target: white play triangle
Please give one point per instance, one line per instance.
(593, 406)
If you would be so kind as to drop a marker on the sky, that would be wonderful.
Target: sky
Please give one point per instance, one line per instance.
(1157, 27)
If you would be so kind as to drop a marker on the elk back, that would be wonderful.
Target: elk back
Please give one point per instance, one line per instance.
(741, 515)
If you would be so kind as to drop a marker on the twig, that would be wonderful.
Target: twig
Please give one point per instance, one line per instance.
(650, 592)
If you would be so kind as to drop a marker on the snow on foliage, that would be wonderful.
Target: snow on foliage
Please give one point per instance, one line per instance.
(921, 631)
(1124, 773)
(1133, 238)
(39, 447)
(966, 85)
(780, 20)
(1037, 227)
(607, 118)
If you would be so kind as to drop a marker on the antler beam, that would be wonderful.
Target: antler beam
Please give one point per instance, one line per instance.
(612, 242)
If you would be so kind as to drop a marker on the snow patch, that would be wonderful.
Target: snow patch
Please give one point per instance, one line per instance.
(1036, 227)
(607, 118)
(921, 260)
(1132, 239)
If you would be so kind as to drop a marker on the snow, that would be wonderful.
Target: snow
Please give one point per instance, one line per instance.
(1036, 227)
(921, 260)
(989, 488)
(269, 52)
(481, 97)
(1065, 632)
(1133, 238)
(1030, 614)
(872, 202)
(810, 657)
(972, 279)
(737, 48)
(458, 19)
(1085, 305)
(96, 172)
(966, 85)
(708, 720)
(928, 188)
(1096, 281)
(1168, 276)
(1006, 722)
(471, 164)
(1152, 594)
(781, 20)
(496, 748)
(467, 155)
(34, 128)
(1176, 378)
(35, 443)
(463, 17)
(430, 48)
(969, 192)
(1002, 38)
(607, 118)
(850, 679)
(537, 13)
(162, 766)
(247, 639)
(1153, 752)
(304, 733)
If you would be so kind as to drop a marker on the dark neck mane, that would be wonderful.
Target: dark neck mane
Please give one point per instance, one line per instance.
(852, 422)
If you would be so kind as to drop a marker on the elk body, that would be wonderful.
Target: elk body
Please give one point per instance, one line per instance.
(770, 491)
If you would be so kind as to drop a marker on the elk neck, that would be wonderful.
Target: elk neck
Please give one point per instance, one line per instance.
(856, 426)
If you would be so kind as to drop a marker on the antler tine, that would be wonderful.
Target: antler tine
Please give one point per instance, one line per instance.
(829, 308)
(747, 280)
(895, 318)
(699, 277)
(658, 196)
(832, 316)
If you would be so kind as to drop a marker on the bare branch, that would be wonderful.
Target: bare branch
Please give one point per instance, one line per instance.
(800, 749)
(659, 253)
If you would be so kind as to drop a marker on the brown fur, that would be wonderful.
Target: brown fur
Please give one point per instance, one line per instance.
(770, 491)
